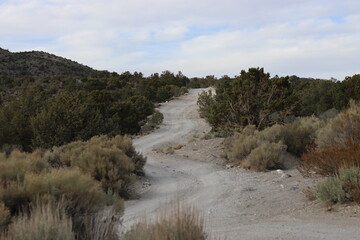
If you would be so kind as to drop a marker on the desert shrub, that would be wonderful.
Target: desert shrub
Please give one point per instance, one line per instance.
(300, 135)
(111, 161)
(241, 147)
(83, 197)
(329, 114)
(4, 216)
(53, 157)
(343, 187)
(350, 178)
(48, 222)
(14, 197)
(14, 167)
(295, 137)
(343, 128)
(271, 134)
(183, 90)
(330, 190)
(327, 161)
(256, 150)
(123, 143)
(155, 120)
(266, 156)
(82, 193)
(181, 223)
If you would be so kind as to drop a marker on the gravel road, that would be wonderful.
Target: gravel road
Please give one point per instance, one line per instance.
(236, 203)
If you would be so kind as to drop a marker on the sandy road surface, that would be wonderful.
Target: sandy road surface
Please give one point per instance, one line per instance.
(236, 204)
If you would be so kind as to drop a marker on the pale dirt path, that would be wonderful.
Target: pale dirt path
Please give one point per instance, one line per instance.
(236, 204)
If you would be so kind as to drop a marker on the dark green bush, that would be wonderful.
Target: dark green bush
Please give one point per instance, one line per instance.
(64, 118)
(155, 120)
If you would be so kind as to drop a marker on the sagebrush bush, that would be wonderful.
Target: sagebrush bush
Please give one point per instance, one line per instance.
(256, 150)
(241, 147)
(295, 137)
(82, 193)
(111, 161)
(14, 167)
(180, 224)
(266, 156)
(341, 188)
(327, 161)
(350, 178)
(345, 127)
(271, 134)
(48, 222)
(330, 190)
(83, 196)
(300, 135)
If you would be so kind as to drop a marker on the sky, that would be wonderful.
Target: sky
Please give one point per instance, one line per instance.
(307, 38)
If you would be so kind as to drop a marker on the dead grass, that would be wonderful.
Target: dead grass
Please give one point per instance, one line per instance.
(102, 225)
(48, 222)
(181, 223)
(328, 161)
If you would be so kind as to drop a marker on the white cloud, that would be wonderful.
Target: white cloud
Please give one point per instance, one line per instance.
(302, 37)
(172, 32)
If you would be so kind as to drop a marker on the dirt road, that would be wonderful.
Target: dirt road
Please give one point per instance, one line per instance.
(236, 204)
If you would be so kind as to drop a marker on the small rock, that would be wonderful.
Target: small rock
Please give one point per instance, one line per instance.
(285, 175)
(228, 166)
(294, 188)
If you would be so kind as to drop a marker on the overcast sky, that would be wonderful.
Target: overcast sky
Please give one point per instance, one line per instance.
(308, 38)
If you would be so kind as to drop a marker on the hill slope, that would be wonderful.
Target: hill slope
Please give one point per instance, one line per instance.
(38, 64)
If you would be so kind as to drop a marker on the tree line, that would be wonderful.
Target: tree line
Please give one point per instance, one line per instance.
(41, 113)
(255, 98)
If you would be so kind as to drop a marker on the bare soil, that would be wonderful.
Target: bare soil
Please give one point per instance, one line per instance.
(236, 203)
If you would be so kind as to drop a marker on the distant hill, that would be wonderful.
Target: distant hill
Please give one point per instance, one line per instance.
(38, 65)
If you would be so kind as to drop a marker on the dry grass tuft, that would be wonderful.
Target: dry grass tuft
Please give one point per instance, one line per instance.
(179, 224)
(48, 222)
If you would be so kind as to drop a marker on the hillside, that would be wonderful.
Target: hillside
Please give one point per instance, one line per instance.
(38, 65)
